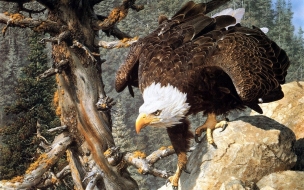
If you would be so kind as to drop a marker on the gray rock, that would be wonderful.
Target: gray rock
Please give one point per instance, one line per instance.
(289, 110)
(250, 148)
(236, 184)
(299, 150)
(285, 180)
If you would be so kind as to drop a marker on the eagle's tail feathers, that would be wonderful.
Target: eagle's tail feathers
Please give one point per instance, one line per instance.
(196, 9)
(265, 30)
(224, 21)
(237, 14)
(185, 8)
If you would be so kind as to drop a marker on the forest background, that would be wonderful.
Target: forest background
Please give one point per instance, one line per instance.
(24, 100)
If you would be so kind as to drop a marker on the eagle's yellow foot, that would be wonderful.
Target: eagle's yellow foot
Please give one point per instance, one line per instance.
(181, 165)
(174, 181)
(210, 124)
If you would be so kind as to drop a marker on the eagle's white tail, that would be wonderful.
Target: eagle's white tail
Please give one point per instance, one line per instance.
(264, 29)
(237, 13)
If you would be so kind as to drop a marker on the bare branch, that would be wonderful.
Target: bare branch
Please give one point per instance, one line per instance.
(62, 36)
(126, 42)
(93, 181)
(66, 170)
(105, 103)
(73, 163)
(34, 174)
(45, 146)
(116, 15)
(50, 179)
(58, 129)
(19, 20)
(140, 160)
(87, 51)
(57, 68)
(39, 136)
(159, 154)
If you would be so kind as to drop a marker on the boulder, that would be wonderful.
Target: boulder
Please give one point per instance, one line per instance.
(288, 111)
(250, 148)
(299, 150)
(285, 180)
(236, 184)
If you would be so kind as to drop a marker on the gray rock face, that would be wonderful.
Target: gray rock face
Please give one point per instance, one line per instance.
(236, 184)
(250, 148)
(285, 180)
(288, 111)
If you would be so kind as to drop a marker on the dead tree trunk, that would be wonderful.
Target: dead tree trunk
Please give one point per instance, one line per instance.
(73, 27)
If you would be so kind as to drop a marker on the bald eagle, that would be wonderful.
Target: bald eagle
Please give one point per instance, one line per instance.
(195, 63)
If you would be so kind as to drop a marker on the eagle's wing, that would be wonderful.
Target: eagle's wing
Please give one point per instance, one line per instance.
(188, 23)
(127, 74)
(255, 64)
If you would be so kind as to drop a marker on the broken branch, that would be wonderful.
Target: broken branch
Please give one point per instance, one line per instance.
(62, 36)
(116, 15)
(34, 174)
(140, 160)
(57, 129)
(57, 68)
(126, 42)
(86, 50)
(39, 136)
(105, 103)
(18, 20)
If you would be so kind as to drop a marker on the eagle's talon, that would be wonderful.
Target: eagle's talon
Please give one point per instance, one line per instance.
(167, 181)
(223, 124)
(173, 180)
(224, 127)
(196, 138)
(186, 171)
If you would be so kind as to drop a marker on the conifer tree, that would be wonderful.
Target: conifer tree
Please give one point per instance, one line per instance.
(121, 133)
(33, 103)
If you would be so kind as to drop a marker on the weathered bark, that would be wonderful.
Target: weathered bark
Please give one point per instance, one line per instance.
(73, 27)
(144, 164)
(34, 174)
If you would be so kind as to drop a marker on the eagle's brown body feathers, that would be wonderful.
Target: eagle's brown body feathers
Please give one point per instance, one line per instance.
(219, 69)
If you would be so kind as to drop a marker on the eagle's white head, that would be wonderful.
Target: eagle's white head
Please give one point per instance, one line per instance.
(164, 106)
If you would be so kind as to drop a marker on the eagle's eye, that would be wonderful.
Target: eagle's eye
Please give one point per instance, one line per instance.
(157, 112)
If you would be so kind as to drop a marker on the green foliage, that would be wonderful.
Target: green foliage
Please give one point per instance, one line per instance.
(33, 103)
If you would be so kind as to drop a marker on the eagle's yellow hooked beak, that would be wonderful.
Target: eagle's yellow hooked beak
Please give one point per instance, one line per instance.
(142, 121)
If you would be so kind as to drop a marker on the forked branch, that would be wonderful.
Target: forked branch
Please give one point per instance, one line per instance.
(34, 174)
(19, 20)
(126, 42)
(56, 68)
(138, 159)
(116, 15)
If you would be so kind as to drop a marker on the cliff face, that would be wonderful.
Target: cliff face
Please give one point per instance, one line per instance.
(288, 111)
(252, 148)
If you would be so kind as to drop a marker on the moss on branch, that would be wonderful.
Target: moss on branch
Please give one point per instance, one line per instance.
(19, 20)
